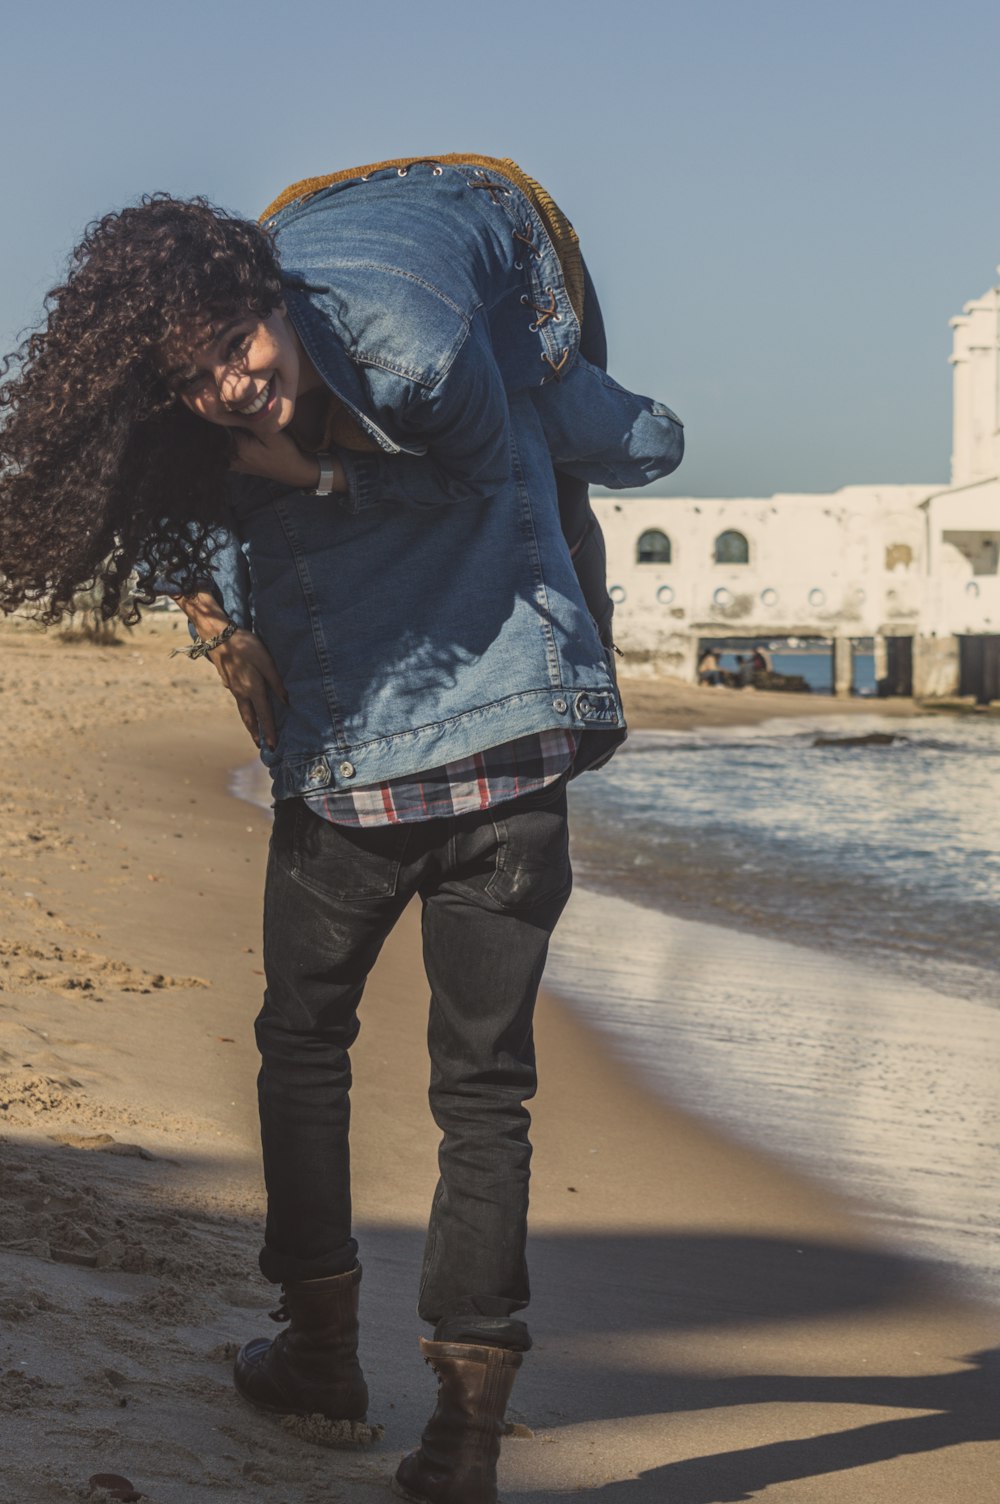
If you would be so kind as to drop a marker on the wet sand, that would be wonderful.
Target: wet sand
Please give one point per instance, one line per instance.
(659, 704)
(709, 1325)
(884, 1090)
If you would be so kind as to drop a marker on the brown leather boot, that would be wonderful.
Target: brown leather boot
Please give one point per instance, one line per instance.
(312, 1367)
(456, 1462)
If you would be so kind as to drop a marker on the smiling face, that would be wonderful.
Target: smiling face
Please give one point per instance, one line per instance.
(245, 372)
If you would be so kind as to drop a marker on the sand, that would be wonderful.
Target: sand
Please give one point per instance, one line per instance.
(709, 1325)
(661, 704)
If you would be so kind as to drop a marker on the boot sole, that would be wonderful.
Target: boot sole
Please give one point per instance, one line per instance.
(282, 1413)
(282, 1410)
(404, 1493)
(317, 1429)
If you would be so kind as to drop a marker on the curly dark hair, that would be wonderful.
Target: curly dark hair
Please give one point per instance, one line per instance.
(102, 470)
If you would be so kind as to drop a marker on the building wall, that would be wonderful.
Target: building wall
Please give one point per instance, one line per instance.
(848, 564)
(963, 576)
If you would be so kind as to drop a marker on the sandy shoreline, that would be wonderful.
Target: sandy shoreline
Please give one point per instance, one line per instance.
(654, 704)
(709, 1326)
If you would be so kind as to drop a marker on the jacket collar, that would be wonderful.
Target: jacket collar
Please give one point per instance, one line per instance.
(327, 353)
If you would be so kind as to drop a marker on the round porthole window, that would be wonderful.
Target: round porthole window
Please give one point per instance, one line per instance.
(617, 594)
(972, 589)
(722, 596)
(769, 597)
(817, 597)
(665, 594)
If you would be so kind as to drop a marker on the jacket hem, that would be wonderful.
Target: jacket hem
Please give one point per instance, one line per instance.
(406, 753)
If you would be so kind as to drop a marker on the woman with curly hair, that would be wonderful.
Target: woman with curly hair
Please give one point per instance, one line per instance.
(355, 442)
(103, 467)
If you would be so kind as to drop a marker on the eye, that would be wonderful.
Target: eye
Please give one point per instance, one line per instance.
(239, 345)
(191, 383)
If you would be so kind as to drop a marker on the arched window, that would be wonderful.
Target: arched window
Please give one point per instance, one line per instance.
(731, 548)
(653, 548)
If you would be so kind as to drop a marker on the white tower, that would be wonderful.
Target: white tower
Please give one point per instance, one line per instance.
(975, 361)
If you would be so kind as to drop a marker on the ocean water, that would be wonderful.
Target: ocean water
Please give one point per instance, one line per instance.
(864, 835)
(816, 668)
(792, 930)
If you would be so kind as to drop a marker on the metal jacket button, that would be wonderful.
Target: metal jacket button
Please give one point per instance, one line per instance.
(560, 705)
(347, 770)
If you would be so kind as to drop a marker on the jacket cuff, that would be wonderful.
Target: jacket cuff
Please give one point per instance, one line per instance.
(364, 478)
(165, 583)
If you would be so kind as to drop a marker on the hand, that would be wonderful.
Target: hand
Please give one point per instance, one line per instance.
(247, 670)
(243, 664)
(275, 456)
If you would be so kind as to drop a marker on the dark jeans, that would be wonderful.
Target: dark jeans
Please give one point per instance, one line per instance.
(492, 887)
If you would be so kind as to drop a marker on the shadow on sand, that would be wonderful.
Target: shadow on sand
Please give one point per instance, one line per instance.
(607, 1313)
(595, 1298)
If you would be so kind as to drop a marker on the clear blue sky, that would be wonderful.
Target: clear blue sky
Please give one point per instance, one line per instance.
(782, 202)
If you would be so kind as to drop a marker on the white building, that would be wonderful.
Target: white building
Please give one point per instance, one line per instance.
(916, 568)
(685, 571)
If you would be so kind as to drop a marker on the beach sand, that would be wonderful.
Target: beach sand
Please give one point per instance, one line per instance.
(710, 1326)
(661, 704)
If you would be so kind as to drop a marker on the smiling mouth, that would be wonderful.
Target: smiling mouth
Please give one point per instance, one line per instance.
(258, 405)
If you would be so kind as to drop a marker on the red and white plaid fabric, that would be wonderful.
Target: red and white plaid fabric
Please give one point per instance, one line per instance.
(472, 783)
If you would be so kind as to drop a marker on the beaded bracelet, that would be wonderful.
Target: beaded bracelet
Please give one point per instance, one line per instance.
(200, 647)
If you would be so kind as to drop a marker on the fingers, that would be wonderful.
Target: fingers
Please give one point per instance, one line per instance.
(274, 679)
(257, 716)
(261, 663)
(249, 718)
(247, 670)
(241, 452)
(275, 457)
(265, 718)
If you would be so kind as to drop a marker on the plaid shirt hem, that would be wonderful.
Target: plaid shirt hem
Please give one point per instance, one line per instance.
(472, 783)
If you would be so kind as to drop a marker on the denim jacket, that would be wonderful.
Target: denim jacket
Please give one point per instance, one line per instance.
(434, 611)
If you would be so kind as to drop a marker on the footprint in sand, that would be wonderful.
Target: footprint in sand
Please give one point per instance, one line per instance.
(23, 1391)
(25, 1094)
(69, 969)
(20, 1302)
(103, 1143)
(110, 1220)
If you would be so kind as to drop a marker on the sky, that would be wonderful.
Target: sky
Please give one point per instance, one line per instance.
(782, 202)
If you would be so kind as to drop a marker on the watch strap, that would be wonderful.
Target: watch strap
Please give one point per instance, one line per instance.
(324, 486)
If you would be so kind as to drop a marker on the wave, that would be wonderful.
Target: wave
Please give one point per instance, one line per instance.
(891, 846)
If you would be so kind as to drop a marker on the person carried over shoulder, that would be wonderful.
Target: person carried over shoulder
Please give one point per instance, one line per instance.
(399, 623)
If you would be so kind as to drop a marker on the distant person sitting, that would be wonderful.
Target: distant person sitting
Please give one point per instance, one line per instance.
(744, 672)
(708, 668)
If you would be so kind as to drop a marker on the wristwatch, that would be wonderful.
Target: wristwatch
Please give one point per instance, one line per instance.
(324, 486)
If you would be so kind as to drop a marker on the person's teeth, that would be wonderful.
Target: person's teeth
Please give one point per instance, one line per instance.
(257, 403)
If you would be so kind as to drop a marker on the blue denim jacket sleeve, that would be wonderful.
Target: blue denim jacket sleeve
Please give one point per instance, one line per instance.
(226, 575)
(595, 429)
(605, 435)
(463, 420)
